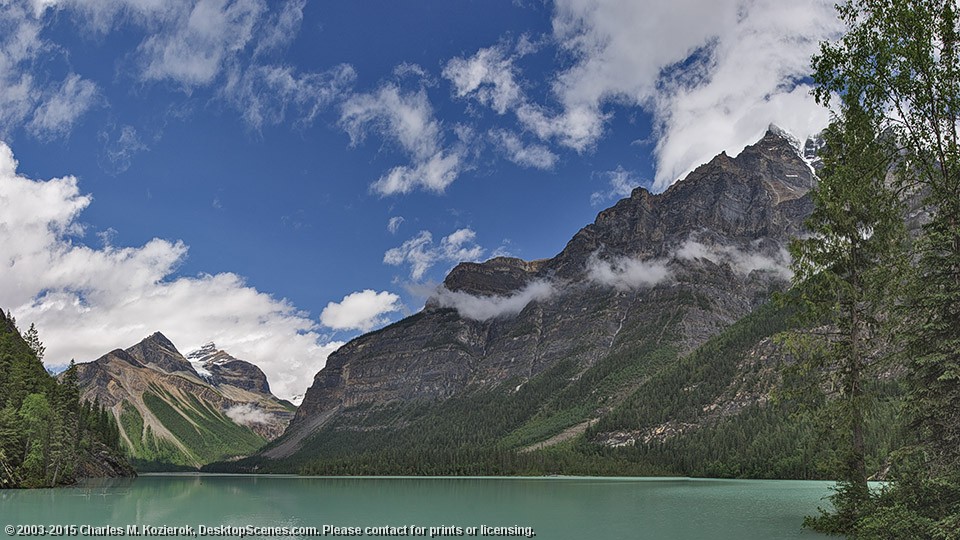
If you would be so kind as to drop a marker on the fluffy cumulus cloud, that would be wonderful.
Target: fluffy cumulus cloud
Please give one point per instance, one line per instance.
(188, 43)
(362, 310)
(88, 301)
(229, 45)
(420, 253)
(482, 308)
(407, 119)
(626, 273)
(714, 73)
(622, 183)
(489, 76)
(193, 47)
(48, 106)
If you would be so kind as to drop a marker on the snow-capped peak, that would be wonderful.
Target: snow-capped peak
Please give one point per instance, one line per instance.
(207, 349)
(789, 137)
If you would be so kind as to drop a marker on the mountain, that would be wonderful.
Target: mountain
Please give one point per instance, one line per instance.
(177, 411)
(513, 364)
(49, 436)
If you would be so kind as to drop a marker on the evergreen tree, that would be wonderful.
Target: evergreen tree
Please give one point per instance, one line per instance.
(46, 431)
(844, 277)
(32, 337)
(899, 61)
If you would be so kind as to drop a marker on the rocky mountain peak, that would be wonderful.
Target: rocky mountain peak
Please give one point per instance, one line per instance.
(497, 276)
(237, 407)
(681, 265)
(778, 131)
(220, 368)
(208, 349)
(157, 351)
(160, 340)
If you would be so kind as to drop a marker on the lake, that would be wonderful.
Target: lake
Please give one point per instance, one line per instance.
(551, 508)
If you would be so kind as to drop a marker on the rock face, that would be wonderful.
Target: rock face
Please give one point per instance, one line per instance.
(673, 268)
(175, 411)
(225, 370)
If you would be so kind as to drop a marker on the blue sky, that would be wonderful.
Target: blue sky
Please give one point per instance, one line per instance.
(280, 177)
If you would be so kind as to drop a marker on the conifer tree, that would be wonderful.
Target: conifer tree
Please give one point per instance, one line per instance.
(899, 61)
(844, 274)
(32, 337)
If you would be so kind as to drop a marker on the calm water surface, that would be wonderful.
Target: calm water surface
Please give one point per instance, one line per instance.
(555, 508)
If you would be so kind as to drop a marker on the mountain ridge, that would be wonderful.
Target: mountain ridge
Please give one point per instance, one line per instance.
(171, 415)
(680, 265)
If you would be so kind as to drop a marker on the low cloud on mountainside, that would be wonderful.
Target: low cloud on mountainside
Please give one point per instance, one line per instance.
(482, 308)
(741, 261)
(88, 301)
(621, 273)
(247, 415)
(626, 273)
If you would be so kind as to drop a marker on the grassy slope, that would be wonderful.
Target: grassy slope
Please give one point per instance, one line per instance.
(205, 432)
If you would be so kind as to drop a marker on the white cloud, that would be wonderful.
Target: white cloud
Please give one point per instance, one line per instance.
(60, 110)
(488, 76)
(191, 44)
(47, 107)
(20, 43)
(248, 415)
(750, 81)
(119, 153)
(625, 273)
(192, 50)
(482, 308)
(361, 310)
(420, 252)
(622, 183)
(533, 155)
(264, 93)
(281, 28)
(743, 262)
(713, 73)
(459, 246)
(88, 301)
(407, 119)
(393, 225)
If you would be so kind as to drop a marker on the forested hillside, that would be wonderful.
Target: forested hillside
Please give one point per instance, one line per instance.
(48, 436)
(719, 411)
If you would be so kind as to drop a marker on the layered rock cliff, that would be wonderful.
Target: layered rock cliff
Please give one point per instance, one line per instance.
(654, 277)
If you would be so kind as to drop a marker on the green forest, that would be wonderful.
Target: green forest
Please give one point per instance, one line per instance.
(486, 431)
(48, 436)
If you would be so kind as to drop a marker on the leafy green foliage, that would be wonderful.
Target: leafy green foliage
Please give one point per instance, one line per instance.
(899, 62)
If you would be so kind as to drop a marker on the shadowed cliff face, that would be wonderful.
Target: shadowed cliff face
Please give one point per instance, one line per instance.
(672, 269)
(223, 402)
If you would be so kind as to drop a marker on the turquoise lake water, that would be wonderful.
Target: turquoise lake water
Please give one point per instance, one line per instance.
(550, 508)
